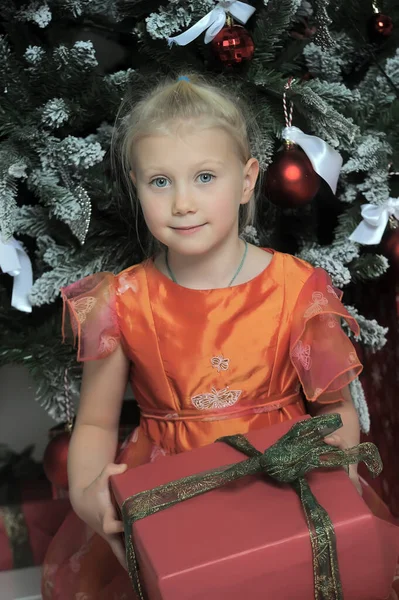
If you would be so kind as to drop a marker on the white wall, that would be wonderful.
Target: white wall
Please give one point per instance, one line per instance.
(22, 420)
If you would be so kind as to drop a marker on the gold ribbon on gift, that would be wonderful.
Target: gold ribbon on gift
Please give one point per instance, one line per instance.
(296, 453)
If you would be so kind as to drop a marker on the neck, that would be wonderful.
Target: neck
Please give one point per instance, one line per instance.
(212, 270)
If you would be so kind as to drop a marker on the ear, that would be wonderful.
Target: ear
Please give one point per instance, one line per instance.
(251, 172)
(133, 177)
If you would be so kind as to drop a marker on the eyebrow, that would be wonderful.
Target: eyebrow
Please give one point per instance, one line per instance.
(207, 161)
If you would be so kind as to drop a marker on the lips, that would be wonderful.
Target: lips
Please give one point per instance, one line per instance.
(189, 227)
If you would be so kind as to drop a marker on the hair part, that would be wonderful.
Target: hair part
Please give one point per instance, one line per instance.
(169, 102)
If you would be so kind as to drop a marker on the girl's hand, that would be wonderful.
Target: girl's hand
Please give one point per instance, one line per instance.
(94, 506)
(337, 441)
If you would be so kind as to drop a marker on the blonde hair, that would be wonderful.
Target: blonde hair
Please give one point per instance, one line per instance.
(186, 98)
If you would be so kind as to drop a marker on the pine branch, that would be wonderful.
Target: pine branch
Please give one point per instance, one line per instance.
(368, 266)
(271, 28)
(371, 333)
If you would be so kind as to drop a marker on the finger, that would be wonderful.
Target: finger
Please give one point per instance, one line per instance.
(118, 550)
(335, 440)
(108, 471)
(112, 469)
(111, 525)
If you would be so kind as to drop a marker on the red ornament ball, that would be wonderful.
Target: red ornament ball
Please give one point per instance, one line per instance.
(233, 45)
(55, 460)
(379, 27)
(291, 180)
(390, 247)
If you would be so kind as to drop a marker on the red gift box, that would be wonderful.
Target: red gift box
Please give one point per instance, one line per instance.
(27, 528)
(250, 538)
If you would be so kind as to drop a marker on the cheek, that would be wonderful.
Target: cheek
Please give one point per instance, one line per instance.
(227, 198)
(153, 210)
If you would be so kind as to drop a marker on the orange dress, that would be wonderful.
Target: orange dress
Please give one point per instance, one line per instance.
(204, 364)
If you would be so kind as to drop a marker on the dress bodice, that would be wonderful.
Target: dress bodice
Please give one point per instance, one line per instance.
(201, 357)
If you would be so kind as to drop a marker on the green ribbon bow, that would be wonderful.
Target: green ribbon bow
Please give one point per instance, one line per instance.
(287, 461)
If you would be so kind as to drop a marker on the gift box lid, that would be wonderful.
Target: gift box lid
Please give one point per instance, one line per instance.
(252, 526)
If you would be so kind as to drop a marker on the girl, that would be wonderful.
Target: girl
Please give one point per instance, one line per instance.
(215, 335)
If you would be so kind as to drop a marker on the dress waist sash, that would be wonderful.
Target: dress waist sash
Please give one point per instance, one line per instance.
(192, 414)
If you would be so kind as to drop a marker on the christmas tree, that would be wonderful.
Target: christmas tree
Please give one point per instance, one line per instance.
(329, 69)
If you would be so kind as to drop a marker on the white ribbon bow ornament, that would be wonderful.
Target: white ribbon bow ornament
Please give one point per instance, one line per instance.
(326, 161)
(15, 262)
(214, 21)
(375, 219)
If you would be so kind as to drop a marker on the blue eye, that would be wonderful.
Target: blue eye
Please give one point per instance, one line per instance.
(162, 180)
(209, 177)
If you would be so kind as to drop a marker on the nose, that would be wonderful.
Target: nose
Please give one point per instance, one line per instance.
(183, 201)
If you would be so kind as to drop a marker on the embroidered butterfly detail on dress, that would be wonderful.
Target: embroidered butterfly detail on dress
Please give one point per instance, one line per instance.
(156, 453)
(83, 306)
(75, 563)
(331, 320)
(220, 363)
(216, 399)
(319, 300)
(108, 343)
(302, 353)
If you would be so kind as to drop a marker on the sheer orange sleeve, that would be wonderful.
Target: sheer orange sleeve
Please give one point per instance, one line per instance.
(321, 352)
(89, 314)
